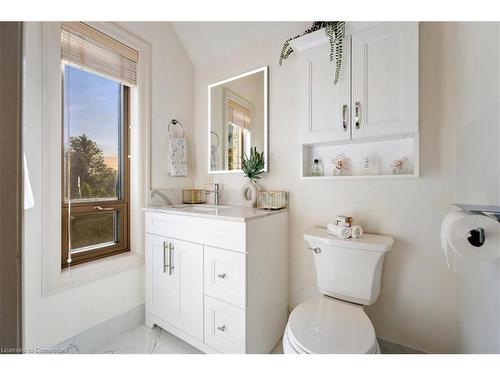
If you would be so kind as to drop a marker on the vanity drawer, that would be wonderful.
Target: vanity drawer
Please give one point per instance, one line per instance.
(225, 275)
(224, 326)
(213, 232)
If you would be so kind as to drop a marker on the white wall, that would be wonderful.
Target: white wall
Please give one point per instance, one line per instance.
(172, 96)
(473, 104)
(51, 319)
(417, 303)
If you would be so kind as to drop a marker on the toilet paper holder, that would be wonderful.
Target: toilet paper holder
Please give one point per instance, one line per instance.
(476, 237)
(489, 210)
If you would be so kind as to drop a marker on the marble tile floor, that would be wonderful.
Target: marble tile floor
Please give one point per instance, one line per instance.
(388, 347)
(143, 340)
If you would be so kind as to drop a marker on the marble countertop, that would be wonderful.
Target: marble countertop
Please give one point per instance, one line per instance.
(230, 213)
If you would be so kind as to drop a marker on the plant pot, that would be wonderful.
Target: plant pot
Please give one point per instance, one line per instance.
(249, 193)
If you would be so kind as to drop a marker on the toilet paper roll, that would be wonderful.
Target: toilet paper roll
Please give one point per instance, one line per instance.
(455, 230)
(339, 231)
(357, 231)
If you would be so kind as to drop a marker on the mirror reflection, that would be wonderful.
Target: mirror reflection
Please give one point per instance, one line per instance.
(238, 120)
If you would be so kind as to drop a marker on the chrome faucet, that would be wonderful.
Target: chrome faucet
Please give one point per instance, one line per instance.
(216, 192)
(162, 196)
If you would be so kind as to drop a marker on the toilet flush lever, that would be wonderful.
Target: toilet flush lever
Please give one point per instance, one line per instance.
(317, 250)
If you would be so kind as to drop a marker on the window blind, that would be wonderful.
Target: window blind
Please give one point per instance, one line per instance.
(88, 48)
(238, 114)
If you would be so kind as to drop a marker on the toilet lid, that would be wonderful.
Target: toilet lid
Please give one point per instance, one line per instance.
(325, 325)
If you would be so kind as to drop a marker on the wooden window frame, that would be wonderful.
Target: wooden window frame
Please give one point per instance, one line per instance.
(121, 205)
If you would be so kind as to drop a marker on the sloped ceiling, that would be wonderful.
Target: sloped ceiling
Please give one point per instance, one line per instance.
(206, 42)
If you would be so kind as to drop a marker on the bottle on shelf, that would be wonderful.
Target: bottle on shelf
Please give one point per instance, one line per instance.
(365, 165)
(317, 168)
(369, 164)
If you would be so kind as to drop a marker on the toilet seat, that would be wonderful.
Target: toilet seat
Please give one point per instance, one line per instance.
(324, 325)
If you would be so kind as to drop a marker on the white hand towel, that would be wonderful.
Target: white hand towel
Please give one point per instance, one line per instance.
(338, 231)
(357, 231)
(178, 157)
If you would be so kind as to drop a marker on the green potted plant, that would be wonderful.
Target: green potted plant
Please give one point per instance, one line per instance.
(253, 167)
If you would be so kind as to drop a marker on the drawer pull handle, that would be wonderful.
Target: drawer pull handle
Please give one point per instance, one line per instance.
(222, 328)
(221, 275)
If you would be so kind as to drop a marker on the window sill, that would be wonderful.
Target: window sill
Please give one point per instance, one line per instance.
(92, 271)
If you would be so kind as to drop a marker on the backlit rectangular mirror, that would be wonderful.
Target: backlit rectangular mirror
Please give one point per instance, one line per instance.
(237, 120)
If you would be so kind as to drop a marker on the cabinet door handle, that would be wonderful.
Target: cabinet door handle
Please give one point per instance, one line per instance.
(357, 114)
(165, 265)
(344, 117)
(221, 275)
(170, 256)
(222, 328)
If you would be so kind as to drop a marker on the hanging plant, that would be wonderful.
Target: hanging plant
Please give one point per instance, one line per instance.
(335, 31)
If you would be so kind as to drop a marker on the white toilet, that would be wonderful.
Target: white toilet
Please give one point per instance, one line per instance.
(348, 273)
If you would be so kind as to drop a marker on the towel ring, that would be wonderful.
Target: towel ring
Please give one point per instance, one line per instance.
(175, 122)
(216, 136)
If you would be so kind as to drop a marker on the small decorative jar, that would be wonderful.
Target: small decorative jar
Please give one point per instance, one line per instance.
(341, 165)
(400, 166)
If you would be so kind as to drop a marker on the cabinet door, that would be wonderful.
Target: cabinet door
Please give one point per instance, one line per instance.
(174, 283)
(327, 112)
(161, 288)
(187, 260)
(385, 80)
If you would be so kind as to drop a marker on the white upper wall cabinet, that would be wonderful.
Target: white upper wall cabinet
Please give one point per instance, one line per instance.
(377, 94)
(385, 80)
(374, 102)
(326, 114)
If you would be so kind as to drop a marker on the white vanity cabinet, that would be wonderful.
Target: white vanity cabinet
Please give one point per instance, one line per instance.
(219, 282)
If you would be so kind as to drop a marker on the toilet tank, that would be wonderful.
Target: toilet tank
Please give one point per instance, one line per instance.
(348, 269)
